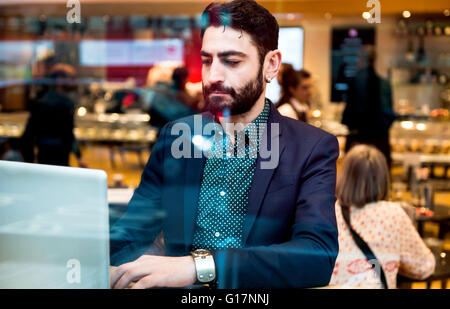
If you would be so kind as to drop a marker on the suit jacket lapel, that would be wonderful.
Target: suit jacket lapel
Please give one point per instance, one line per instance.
(262, 177)
(192, 183)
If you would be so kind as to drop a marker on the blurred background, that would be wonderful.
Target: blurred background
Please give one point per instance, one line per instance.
(122, 69)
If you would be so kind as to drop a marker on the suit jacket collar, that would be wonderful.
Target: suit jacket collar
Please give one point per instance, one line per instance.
(262, 177)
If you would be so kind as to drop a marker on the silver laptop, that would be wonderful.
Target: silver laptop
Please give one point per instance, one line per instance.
(54, 230)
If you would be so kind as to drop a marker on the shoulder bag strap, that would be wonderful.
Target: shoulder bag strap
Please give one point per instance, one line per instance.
(363, 245)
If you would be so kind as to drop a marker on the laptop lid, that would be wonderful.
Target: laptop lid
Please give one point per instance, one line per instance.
(54, 230)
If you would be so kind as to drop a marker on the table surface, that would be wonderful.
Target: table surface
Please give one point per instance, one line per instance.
(107, 128)
(120, 196)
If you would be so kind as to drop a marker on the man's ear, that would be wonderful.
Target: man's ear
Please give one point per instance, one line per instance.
(272, 64)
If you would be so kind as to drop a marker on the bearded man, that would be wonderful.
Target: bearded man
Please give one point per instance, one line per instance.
(259, 213)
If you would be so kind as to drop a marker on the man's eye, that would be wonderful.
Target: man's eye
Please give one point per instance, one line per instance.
(206, 61)
(231, 62)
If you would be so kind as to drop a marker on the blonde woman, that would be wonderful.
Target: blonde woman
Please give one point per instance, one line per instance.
(362, 191)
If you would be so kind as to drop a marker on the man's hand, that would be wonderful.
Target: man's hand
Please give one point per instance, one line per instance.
(155, 271)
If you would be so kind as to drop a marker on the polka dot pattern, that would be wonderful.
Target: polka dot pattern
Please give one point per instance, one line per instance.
(391, 235)
(224, 189)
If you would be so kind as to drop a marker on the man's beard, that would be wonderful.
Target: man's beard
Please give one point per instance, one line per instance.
(242, 100)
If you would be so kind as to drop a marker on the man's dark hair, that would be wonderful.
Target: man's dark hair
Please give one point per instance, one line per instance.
(244, 15)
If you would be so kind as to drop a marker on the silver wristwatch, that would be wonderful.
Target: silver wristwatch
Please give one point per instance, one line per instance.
(204, 265)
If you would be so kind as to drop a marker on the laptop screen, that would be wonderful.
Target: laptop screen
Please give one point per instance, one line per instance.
(54, 229)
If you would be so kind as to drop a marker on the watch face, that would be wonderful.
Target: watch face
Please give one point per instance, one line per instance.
(201, 252)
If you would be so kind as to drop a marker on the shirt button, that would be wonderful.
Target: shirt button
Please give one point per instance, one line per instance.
(222, 193)
(217, 234)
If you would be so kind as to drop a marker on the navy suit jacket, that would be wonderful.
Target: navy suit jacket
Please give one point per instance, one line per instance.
(290, 235)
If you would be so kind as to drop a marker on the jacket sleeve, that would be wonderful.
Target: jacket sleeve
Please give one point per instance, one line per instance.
(136, 230)
(308, 258)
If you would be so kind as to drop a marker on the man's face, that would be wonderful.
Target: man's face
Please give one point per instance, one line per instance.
(303, 91)
(232, 75)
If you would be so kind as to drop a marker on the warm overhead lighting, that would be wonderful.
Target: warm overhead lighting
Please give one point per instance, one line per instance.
(82, 111)
(366, 15)
(115, 117)
(101, 117)
(408, 125)
(406, 14)
(328, 16)
(437, 30)
(447, 12)
(288, 16)
(447, 30)
(421, 127)
(316, 113)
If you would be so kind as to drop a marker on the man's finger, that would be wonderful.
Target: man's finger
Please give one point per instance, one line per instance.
(146, 282)
(119, 271)
(131, 275)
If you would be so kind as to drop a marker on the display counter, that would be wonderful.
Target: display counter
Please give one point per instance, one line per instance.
(91, 127)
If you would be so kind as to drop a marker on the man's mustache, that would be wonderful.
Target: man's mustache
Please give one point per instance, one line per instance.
(219, 87)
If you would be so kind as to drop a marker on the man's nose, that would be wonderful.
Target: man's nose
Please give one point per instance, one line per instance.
(216, 73)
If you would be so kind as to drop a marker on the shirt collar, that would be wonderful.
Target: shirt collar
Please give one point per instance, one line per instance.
(251, 130)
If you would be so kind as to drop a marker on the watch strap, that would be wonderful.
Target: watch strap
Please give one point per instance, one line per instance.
(204, 266)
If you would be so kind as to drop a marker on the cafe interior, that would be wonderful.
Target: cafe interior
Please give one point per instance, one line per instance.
(127, 60)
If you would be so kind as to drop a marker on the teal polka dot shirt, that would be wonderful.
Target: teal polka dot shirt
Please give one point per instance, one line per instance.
(225, 185)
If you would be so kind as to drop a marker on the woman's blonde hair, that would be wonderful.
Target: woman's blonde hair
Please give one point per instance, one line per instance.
(363, 178)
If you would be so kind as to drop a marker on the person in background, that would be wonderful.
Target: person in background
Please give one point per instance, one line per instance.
(368, 113)
(171, 101)
(160, 73)
(123, 101)
(51, 122)
(180, 78)
(284, 66)
(296, 92)
(362, 192)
